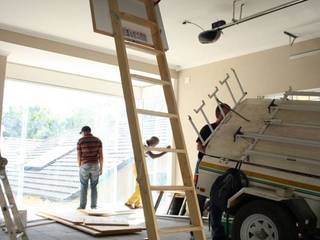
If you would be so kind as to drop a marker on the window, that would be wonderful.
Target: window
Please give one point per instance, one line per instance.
(40, 129)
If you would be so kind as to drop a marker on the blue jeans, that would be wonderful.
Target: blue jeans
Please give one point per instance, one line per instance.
(89, 171)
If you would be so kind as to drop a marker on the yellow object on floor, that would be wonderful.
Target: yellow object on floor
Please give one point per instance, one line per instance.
(135, 199)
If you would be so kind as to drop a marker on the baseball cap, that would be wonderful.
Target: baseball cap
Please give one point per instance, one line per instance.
(85, 129)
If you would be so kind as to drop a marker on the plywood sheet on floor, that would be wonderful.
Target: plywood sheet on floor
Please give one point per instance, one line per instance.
(94, 225)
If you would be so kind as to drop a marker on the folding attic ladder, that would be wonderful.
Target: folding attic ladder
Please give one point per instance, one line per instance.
(139, 149)
(8, 206)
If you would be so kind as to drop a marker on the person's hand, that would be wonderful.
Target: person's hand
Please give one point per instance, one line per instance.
(200, 147)
(100, 172)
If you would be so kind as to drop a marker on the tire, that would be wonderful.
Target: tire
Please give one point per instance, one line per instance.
(262, 219)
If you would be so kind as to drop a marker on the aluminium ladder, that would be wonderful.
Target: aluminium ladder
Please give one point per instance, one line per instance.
(139, 149)
(8, 206)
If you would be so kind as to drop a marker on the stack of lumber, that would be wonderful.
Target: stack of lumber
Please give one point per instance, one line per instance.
(93, 222)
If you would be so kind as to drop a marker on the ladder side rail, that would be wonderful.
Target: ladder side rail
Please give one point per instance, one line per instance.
(13, 207)
(176, 126)
(12, 204)
(4, 204)
(128, 93)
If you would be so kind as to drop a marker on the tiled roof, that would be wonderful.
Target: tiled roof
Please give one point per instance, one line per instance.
(58, 178)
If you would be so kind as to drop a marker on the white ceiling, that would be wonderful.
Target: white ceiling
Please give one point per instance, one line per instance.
(70, 21)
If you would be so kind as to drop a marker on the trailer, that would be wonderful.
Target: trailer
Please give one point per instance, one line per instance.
(278, 143)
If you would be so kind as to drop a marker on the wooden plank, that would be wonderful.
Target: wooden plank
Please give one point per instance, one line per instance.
(97, 223)
(148, 80)
(139, 155)
(70, 224)
(95, 230)
(79, 217)
(106, 221)
(114, 230)
(93, 212)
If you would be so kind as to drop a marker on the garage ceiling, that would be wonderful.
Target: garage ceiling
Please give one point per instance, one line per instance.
(70, 21)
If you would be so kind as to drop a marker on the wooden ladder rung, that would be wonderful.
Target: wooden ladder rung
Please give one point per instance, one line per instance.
(156, 149)
(155, 113)
(171, 188)
(189, 228)
(149, 80)
(142, 47)
(137, 20)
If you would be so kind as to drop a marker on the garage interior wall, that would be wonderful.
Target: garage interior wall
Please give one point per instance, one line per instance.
(262, 73)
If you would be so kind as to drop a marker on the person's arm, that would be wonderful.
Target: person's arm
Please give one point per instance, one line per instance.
(156, 155)
(100, 160)
(200, 147)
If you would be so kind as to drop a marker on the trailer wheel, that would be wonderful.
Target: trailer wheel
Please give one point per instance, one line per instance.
(263, 220)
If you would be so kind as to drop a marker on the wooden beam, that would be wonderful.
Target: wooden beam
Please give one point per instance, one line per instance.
(140, 78)
(137, 20)
(171, 188)
(73, 50)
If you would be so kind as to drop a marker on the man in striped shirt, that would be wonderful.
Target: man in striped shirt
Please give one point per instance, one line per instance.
(90, 160)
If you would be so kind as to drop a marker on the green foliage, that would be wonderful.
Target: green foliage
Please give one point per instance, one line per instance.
(12, 122)
(41, 123)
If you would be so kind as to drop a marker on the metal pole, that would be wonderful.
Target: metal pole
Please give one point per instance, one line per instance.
(214, 94)
(288, 140)
(279, 122)
(236, 77)
(268, 11)
(225, 81)
(200, 109)
(195, 128)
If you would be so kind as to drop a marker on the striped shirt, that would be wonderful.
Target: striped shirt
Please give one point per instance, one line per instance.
(89, 147)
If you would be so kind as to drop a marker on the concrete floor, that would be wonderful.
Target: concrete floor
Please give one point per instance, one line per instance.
(55, 231)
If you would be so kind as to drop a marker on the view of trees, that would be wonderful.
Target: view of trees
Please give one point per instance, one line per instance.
(40, 122)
